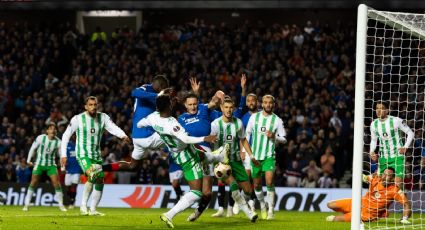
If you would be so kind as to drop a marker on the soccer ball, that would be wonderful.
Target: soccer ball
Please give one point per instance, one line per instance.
(222, 171)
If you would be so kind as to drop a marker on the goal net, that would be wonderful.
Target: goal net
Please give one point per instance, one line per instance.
(391, 65)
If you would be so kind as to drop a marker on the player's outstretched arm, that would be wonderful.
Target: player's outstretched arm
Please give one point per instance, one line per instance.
(34, 146)
(113, 128)
(142, 94)
(216, 99)
(242, 103)
(72, 127)
(410, 136)
(243, 85)
(195, 85)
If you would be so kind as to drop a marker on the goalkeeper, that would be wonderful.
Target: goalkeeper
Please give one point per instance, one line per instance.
(382, 192)
(392, 151)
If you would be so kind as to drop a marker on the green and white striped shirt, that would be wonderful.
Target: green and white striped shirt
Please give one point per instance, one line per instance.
(228, 132)
(174, 137)
(47, 150)
(262, 146)
(89, 131)
(389, 135)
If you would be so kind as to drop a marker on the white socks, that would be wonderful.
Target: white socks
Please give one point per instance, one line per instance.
(241, 202)
(59, 197)
(270, 200)
(88, 187)
(185, 202)
(97, 195)
(260, 197)
(28, 196)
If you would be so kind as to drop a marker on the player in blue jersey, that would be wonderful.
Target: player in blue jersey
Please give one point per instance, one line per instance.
(176, 174)
(144, 139)
(197, 122)
(73, 173)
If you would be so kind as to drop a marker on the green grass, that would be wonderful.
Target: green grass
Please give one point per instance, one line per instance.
(12, 217)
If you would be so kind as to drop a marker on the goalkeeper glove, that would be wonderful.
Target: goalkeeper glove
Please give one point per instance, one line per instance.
(404, 220)
(365, 178)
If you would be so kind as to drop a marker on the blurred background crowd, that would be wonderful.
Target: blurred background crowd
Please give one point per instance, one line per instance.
(46, 72)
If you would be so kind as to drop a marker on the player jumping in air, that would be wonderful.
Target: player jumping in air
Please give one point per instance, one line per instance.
(182, 150)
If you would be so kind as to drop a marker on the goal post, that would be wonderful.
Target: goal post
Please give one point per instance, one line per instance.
(359, 106)
(390, 67)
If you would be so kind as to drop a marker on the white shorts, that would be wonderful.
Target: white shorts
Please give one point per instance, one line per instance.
(247, 161)
(72, 179)
(143, 146)
(176, 175)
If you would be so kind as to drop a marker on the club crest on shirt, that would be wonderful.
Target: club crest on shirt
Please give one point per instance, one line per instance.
(229, 137)
(263, 129)
(176, 128)
(377, 195)
(92, 130)
(48, 150)
(385, 136)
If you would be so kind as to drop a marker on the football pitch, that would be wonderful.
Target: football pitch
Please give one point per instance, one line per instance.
(12, 217)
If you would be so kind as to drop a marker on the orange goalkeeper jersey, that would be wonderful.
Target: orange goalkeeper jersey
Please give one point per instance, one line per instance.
(376, 201)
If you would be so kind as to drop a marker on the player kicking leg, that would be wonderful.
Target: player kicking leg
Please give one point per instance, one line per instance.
(221, 154)
(240, 198)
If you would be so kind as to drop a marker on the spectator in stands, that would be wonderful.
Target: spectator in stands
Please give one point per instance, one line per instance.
(312, 170)
(327, 160)
(293, 175)
(56, 117)
(145, 173)
(23, 172)
(325, 181)
(309, 181)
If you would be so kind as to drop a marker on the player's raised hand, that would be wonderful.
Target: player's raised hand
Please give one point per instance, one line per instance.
(373, 156)
(402, 150)
(210, 138)
(195, 85)
(30, 164)
(220, 94)
(243, 84)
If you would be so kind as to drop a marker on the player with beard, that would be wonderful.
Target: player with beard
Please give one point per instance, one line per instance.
(265, 129)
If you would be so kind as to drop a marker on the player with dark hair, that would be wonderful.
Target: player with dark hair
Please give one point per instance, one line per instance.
(46, 146)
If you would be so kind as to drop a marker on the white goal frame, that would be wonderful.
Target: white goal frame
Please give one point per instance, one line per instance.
(364, 12)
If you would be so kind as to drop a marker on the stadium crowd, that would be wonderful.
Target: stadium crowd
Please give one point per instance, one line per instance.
(47, 71)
